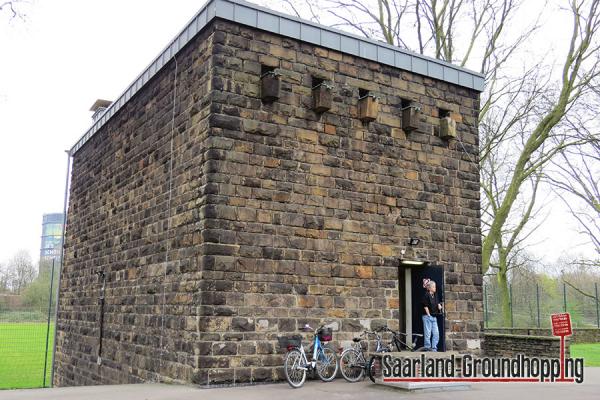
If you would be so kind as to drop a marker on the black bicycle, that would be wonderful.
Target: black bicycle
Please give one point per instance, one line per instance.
(399, 342)
(353, 362)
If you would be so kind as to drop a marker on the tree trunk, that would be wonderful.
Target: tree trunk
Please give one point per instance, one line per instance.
(502, 278)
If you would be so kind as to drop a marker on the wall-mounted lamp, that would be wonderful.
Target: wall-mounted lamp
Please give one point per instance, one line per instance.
(413, 241)
(413, 263)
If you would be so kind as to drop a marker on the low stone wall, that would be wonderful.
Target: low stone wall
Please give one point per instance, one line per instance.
(505, 345)
(580, 335)
(586, 335)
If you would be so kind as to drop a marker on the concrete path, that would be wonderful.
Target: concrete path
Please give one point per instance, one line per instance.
(337, 390)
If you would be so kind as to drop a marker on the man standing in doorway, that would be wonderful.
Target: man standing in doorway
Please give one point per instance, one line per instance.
(431, 308)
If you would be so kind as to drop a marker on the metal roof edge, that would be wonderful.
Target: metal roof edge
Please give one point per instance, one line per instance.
(195, 25)
(250, 14)
(245, 3)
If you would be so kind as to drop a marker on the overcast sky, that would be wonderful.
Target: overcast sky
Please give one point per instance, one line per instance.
(56, 63)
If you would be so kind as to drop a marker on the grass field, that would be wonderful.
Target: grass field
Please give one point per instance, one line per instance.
(589, 351)
(22, 349)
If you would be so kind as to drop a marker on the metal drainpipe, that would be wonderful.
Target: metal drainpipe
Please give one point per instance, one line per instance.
(60, 267)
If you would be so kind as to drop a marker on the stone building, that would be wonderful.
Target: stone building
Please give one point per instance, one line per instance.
(213, 210)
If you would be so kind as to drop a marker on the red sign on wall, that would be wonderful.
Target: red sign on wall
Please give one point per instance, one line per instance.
(561, 324)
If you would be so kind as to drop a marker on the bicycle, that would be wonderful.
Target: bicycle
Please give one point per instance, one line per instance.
(353, 362)
(374, 366)
(323, 361)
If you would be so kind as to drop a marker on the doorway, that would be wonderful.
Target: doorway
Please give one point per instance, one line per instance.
(418, 275)
(410, 284)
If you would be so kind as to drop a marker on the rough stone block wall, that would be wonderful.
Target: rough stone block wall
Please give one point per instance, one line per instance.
(310, 212)
(580, 335)
(118, 223)
(586, 335)
(506, 345)
(277, 216)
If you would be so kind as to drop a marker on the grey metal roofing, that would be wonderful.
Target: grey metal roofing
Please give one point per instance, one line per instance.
(255, 16)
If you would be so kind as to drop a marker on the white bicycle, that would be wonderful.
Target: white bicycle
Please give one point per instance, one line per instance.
(323, 360)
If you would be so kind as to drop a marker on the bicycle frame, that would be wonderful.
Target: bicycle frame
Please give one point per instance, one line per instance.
(399, 343)
(320, 359)
(317, 346)
(379, 347)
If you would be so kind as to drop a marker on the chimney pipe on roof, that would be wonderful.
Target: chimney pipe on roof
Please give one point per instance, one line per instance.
(99, 107)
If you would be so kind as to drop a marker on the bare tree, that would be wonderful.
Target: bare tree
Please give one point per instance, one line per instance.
(5, 279)
(510, 252)
(530, 119)
(434, 26)
(21, 270)
(576, 179)
(13, 9)
(543, 142)
(580, 278)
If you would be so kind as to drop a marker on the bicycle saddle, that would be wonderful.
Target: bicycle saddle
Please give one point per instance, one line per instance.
(356, 339)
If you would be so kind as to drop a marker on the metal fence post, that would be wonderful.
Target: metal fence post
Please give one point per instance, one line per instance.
(565, 297)
(512, 322)
(48, 323)
(485, 306)
(537, 297)
(62, 258)
(597, 310)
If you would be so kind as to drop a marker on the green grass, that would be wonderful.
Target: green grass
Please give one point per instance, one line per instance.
(22, 349)
(589, 351)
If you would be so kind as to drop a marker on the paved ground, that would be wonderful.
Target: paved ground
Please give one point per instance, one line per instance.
(337, 390)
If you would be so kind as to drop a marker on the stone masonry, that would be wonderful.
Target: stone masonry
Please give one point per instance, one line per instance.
(222, 222)
(510, 345)
(580, 335)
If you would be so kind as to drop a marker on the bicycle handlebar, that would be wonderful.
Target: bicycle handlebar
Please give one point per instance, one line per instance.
(367, 333)
(308, 328)
(387, 329)
(406, 334)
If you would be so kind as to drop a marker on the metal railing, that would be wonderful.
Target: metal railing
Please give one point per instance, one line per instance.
(530, 304)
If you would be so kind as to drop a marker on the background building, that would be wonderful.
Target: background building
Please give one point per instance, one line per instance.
(262, 173)
(52, 231)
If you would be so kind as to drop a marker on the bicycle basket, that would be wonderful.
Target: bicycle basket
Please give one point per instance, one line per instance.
(325, 334)
(289, 341)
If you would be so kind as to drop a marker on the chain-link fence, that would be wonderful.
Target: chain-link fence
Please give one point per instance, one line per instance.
(529, 304)
(27, 334)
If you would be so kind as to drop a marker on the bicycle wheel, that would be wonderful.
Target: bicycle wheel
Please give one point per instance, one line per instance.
(327, 365)
(374, 368)
(351, 365)
(295, 371)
